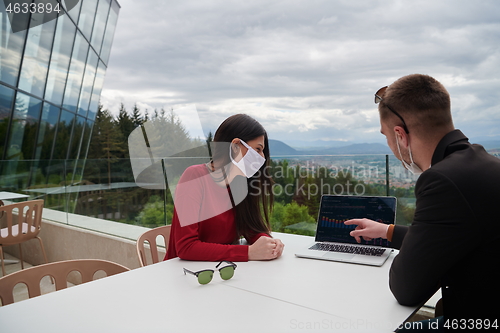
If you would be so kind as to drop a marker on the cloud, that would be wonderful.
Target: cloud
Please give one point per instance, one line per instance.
(304, 68)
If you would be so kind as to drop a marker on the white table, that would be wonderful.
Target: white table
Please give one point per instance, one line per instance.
(285, 295)
(12, 196)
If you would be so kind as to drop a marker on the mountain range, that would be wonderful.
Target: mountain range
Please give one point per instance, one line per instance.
(279, 148)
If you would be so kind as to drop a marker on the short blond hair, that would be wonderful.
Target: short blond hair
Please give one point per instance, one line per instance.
(422, 101)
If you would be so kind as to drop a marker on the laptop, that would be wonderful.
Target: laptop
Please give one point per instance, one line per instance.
(333, 241)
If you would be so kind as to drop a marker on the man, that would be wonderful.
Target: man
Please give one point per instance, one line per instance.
(454, 240)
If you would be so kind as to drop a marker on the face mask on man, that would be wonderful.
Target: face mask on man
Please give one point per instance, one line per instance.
(412, 167)
(250, 163)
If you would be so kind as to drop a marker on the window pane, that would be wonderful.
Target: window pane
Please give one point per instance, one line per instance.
(6, 99)
(77, 138)
(64, 128)
(75, 74)
(37, 55)
(110, 31)
(47, 132)
(59, 63)
(11, 46)
(86, 139)
(23, 128)
(75, 11)
(88, 81)
(87, 15)
(100, 24)
(96, 92)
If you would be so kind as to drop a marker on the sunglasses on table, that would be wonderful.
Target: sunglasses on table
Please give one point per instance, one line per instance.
(379, 98)
(205, 276)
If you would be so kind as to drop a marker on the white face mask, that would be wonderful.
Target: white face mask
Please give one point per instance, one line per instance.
(250, 163)
(412, 167)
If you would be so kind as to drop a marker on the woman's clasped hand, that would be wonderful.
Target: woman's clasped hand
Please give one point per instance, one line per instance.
(265, 248)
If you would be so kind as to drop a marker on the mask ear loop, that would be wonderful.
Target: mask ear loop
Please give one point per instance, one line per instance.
(227, 182)
(399, 149)
(401, 155)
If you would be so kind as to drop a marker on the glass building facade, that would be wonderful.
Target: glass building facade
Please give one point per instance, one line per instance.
(51, 76)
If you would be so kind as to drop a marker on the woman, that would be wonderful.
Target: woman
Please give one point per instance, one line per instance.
(228, 198)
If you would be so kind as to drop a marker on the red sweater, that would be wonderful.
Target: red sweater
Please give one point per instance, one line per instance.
(203, 224)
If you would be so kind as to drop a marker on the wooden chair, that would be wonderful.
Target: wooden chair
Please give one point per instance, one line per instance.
(150, 237)
(23, 222)
(59, 271)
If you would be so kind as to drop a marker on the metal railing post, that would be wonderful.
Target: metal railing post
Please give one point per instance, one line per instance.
(387, 187)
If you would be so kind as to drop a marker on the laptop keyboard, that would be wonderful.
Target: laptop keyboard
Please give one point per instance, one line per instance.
(370, 251)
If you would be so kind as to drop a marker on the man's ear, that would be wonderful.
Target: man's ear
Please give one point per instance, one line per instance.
(402, 136)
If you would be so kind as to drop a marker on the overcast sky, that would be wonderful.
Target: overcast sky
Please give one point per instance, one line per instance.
(307, 70)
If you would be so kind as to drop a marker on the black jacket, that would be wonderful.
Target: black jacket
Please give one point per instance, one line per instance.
(454, 240)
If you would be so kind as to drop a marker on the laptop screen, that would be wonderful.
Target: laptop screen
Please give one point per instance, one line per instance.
(334, 210)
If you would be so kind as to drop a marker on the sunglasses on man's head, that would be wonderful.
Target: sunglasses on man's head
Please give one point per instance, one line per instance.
(206, 275)
(379, 97)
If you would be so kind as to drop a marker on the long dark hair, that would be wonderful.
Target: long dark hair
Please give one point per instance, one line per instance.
(253, 213)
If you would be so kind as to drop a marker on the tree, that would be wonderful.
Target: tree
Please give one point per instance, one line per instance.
(285, 180)
(295, 213)
(153, 213)
(210, 139)
(136, 117)
(293, 218)
(126, 126)
(107, 140)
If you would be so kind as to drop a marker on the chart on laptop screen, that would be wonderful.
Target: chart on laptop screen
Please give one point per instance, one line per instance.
(335, 210)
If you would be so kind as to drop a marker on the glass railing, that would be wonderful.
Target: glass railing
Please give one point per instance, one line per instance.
(106, 188)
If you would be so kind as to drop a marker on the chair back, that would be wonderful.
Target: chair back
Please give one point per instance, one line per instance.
(150, 237)
(23, 221)
(59, 271)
